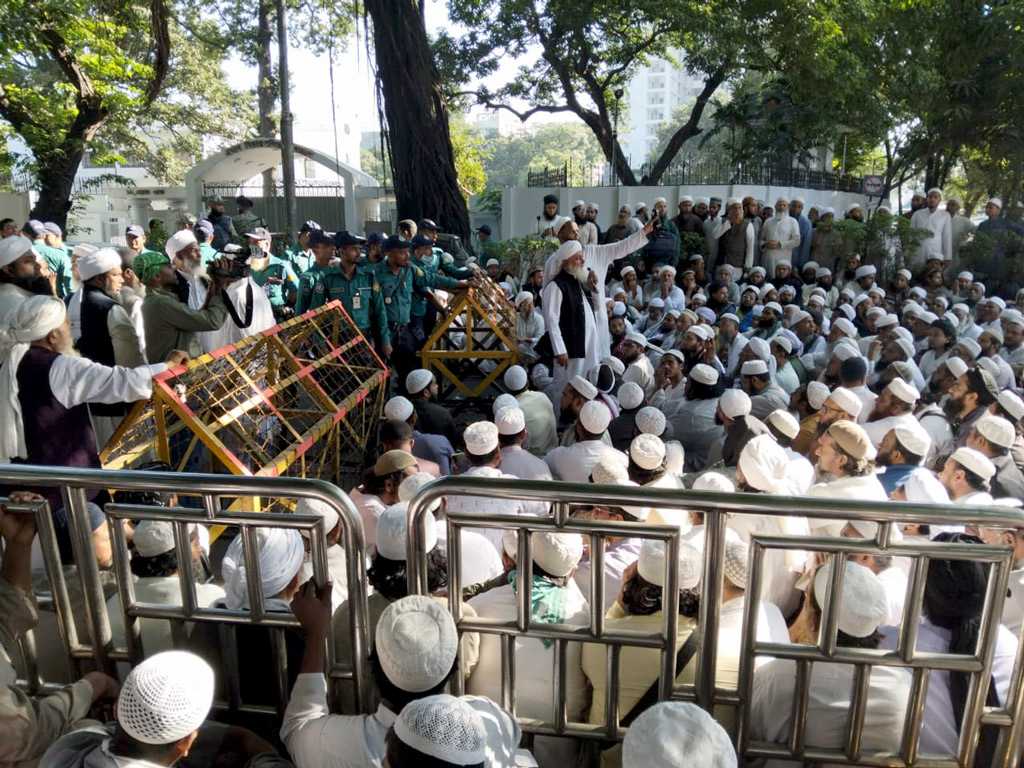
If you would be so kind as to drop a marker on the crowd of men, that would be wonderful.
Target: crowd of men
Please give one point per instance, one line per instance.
(752, 368)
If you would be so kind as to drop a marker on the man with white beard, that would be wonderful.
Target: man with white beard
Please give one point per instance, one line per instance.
(563, 313)
(779, 236)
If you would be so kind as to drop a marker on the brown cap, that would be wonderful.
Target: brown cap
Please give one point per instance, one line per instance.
(852, 438)
(394, 461)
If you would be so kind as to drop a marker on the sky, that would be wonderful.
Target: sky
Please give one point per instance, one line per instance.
(355, 108)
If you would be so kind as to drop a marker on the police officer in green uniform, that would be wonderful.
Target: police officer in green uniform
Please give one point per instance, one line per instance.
(273, 275)
(374, 255)
(356, 287)
(57, 259)
(322, 245)
(398, 280)
(204, 234)
(302, 255)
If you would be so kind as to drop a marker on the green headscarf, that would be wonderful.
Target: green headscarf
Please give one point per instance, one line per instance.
(147, 264)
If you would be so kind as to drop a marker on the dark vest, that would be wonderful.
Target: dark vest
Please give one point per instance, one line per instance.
(572, 321)
(732, 248)
(96, 343)
(54, 435)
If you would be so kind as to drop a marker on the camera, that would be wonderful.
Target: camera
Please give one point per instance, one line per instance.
(239, 268)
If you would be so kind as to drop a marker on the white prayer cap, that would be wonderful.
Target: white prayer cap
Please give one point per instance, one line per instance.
(886, 320)
(957, 366)
(764, 464)
(557, 552)
(862, 606)
(765, 290)
(481, 438)
(1010, 402)
(845, 326)
(785, 422)
(523, 296)
(868, 529)
(705, 374)
(905, 273)
(923, 487)
(754, 368)
(647, 451)
(668, 269)
(13, 248)
(852, 207)
(579, 204)
(503, 401)
(316, 507)
(650, 421)
(928, 317)
(594, 416)
(975, 461)
(884, 207)
(994, 201)
(865, 271)
(619, 309)
(627, 270)
(677, 733)
(700, 331)
(675, 354)
(503, 733)
(179, 241)
(444, 728)
(914, 438)
(903, 391)
(735, 402)
(714, 481)
(540, 375)
(510, 421)
(918, 291)
(630, 395)
(280, 556)
(699, 200)
(965, 276)
(412, 484)
(799, 199)
(583, 387)
(733, 201)
(393, 532)
(846, 351)
(918, 193)
(996, 430)
(875, 312)
(735, 563)
(781, 200)
(1012, 317)
(651, 564)
(637, 338)
(847, 401)
(990, 365)
(935, 190)
(663, 200)
(592, 207)
(515, 378)
(617, 366)
(418, 380)
(608, 471)
(398, 409)
(973, 347)
(166, 698)
(153, 537)
(99, 262)
(759, 269)
(774, 305)
(640, 205)
(416, 643)
(783, 342)
(817, 393)
(797, 317)
(827, 211)
(682, 199)
(729, 316)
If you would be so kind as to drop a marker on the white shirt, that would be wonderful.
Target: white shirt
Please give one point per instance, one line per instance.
(370, 508)
(616, 559)
(641, 372)
(551, 301)
(77, 380)
(588, 234)
(938, 728)
(737, 346)
(934, 422)
(867, 397)
(11, 296)
(493, 505)
(828, 706)
(575, 462)
(337, 572)
(941, 226)
(515, 461)
(1013, 607)
(863, 487)
(230, 333)
(162, 590)
(670, 398)
(787, 231)
(317, 739)
(929, 363)
(530, 327)
(877, 430)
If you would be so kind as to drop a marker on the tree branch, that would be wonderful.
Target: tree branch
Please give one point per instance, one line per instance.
(524, 115)
(162, 53)
(19, 117)
(66, 60)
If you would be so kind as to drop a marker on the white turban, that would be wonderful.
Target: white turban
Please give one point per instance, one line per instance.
(179, 241)
(554, 263)
(280, 557)
(765, 465)
(32, 320)
(99, 262)
(13, 248)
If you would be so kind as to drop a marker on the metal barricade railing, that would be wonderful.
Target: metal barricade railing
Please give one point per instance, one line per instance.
(715, 508)
(211, 489)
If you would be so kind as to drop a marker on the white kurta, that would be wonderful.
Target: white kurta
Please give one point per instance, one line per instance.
(551, 300)
(523, 464)
(575, 463)
(598, 258)
(877, 430)
(641, 372)
(616, 559)
(77, 380)
(940, 225)
(230, 333)
(862, 487)
(11, 296)
(493, 505)
(787, 232)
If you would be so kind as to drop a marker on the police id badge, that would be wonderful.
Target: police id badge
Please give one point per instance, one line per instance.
(387, 299)
(357, 302)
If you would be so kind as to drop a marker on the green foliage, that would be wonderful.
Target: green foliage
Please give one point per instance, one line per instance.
(470, 153)
(490, 202)
(888, 242)
(372, 164)
(519, 255)
(689, 244)
(549, 146)
(1006, 245)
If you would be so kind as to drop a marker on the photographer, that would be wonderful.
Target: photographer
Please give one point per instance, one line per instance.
(249, 310)
(275, 276)
(169, 323)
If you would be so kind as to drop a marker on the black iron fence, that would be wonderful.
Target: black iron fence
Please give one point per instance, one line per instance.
(320, 201)
(698, 172)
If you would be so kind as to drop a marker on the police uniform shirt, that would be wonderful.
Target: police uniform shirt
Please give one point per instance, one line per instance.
(307, 283)
(301, 260)
(278, 293)
(361, 297)
(397, 290)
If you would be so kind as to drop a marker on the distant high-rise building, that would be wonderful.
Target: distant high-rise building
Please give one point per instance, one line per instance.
(652, 95)
(496, 122)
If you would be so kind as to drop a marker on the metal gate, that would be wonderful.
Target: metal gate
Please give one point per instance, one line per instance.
(320, 201)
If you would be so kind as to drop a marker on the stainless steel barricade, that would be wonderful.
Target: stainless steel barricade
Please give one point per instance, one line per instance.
(715, 508)
(211, 488)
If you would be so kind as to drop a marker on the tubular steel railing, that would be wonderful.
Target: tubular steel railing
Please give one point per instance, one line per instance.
(716, 507)
(212, 489)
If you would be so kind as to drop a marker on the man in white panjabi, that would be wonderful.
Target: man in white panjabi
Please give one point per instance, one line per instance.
(845, 454)
(938, 222)
(779, 236)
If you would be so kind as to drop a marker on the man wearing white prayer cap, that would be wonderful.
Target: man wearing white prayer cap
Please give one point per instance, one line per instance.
(516, 461)
(439, 730)
(902, 451)
(574, 462)
(432, 417)
(669, 382)
(21, 273)
(541, 425)
(780, 235)
(994, 437)
(622, 427)
(280, 554)
(845, 462)
(160, 713)
(45, 386)
(892, 577)
(529, 326)
(937, 222)
(556, 555)
(577, 392)
(785, 428)
(894, 407)
(862, 607)
(765, 395)
(694, 424)
(677, 733)
(415, 645)
(638, 366)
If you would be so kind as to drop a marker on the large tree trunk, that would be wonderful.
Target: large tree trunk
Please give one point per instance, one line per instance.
(421, 148)
(266, 92)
